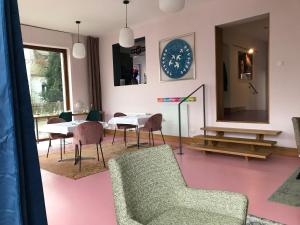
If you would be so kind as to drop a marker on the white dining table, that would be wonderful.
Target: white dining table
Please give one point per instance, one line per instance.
(65, 127)
(136, 120)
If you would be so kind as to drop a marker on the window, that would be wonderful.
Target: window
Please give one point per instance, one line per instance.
(48, 79)
(47, 74)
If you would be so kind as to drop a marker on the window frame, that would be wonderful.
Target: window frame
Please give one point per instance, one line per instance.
(65, 68)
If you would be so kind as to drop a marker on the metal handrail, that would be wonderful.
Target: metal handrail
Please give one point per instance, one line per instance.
(255, 92)
(179, 114)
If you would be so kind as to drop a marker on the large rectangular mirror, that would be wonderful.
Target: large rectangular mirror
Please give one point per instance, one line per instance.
(130, 64)
(242, 60)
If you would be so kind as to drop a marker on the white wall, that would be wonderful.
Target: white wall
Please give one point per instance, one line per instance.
(284, 47)
(78, 79)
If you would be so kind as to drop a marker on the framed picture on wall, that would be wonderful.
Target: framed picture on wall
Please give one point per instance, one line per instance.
(245, 65)
(177, 58)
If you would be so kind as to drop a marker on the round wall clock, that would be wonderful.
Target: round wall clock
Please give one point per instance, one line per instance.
(176, 58)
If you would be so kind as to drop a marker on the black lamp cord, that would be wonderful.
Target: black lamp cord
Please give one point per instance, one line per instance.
(126, 15)
(78, 32)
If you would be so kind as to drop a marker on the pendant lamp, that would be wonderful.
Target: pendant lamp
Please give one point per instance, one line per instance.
(171, 5)
(126, 37)
(78, 47)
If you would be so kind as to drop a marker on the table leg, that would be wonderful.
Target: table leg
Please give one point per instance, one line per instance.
(37, 130)
(138, 142)
(61, 142)
(138, 137)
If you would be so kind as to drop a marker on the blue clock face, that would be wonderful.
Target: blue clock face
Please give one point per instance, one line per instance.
(176, 58)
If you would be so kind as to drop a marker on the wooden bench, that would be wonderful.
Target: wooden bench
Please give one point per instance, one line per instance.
(259, 133)
(244, 141)
(253, 143)
(261, 154)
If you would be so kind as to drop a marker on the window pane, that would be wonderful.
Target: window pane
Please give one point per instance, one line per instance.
(44, 71)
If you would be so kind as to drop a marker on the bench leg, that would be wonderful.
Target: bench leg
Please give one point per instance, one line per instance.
(260, 137)
(254, 147)
(220, 133)
(247, 159)
(214, 143)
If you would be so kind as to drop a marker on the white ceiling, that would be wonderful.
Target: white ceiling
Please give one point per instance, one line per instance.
(98, 16)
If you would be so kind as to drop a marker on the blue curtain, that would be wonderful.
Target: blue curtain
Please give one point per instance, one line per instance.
(21, 193)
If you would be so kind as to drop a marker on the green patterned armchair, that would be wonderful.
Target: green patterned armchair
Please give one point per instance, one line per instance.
(150, 190)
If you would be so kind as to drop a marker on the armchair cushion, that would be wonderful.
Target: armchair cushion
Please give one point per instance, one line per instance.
(188, 216)
(219, 202)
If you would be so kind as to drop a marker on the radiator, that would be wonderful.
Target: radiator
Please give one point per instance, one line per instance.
(170, 124)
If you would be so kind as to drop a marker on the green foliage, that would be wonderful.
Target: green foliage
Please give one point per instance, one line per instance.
(53, 89)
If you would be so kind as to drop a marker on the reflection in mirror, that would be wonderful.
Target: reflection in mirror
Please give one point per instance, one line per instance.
(130, 64)
(242, 56)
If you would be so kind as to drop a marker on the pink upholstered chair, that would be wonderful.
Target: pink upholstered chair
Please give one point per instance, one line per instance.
(86, 134)
(123, 127)
(154, 123)
(54, 136)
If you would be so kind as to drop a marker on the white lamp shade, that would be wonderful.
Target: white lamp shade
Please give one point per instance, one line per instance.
(126, 38)
(79, 51)
(171, 5)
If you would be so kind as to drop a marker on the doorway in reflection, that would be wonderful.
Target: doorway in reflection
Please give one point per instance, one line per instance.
(242, 60)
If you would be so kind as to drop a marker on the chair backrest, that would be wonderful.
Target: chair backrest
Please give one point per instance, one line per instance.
(94, 115)
(296, 124)
(67, 116)
(52, 121)
(154, 122)
(145, 182)
(118, 114)
(88, 133)
(55, 120)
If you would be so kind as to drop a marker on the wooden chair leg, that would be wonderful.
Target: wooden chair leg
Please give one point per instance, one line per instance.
(97, 151)
(162, 136)
(114, 136)
(49, 147)
(102, 155)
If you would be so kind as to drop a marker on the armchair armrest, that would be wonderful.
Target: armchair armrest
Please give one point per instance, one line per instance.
(129, 221)
(222, 202)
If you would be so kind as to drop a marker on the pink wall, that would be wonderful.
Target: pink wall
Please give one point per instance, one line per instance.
(284, 47)
(77, 67)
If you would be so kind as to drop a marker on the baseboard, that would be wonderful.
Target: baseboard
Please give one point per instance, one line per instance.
(157, 137)
(276, 150)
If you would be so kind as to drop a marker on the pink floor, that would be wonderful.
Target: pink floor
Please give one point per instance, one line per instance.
(89, 201)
